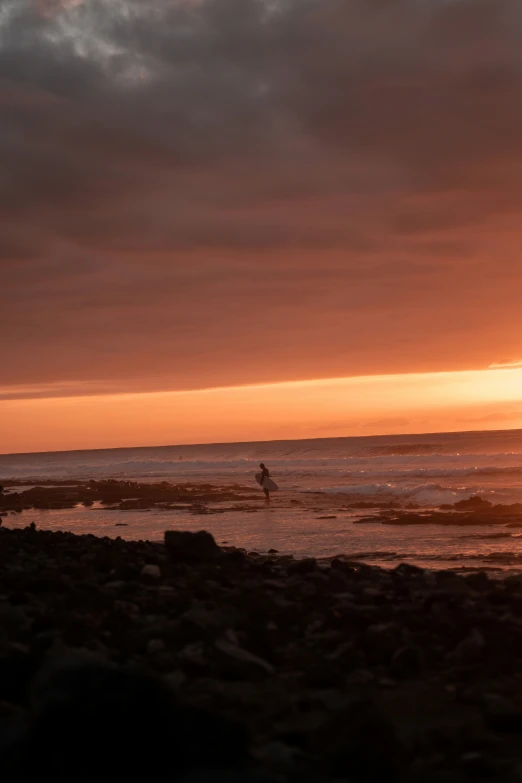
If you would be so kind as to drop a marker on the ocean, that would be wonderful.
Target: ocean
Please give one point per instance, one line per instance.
(426, 470)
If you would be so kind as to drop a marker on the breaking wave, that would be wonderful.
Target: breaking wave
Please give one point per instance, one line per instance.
(422, 494)
(427, 470)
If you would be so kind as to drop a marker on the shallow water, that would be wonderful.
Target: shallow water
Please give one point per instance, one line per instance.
(427, 470)
(301, 533)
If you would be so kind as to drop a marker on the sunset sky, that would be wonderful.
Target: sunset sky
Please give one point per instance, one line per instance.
(255, 219)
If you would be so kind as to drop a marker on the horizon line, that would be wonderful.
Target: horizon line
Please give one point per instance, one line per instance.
(280, 440)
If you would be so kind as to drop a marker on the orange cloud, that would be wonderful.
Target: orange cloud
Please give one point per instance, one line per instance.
(257, 209)
(50, 7)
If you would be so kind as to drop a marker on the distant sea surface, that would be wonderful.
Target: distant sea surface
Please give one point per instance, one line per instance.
(428, 470)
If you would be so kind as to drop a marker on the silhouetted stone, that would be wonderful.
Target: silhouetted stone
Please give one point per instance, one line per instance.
(350, 740)
(472, 504)
(282, 647)
(478, 581)
(240, 662)
(406, 663)
(501, 716)
(96, 722)
(405, 569)
(470, 648)
(183, 546)
(235, 557)
(306, 566)
(151, 572)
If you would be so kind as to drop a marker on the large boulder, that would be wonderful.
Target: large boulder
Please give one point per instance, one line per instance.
(184, 546)
(407, 662)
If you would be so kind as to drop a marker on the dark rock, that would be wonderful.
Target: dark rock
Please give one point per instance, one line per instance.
(155, 646)
(408, 662)
(90, 712)
(278, 756)
(241, 663)
(242, 776)
(341, 565)
(185, 547)
(234, 557)
(280, 645)
(297, 729)
(478, 581)
(224, 617)
(405, 569)
(470, 648)
(360, 677)
(350, 740)
(305, 566)
(151, 572)
(381, 641)
(17, 669)
(474, 503)
(325, 675)
(193, 659)
(501, 716)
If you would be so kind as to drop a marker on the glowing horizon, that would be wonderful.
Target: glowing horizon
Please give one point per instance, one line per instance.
(334, 407)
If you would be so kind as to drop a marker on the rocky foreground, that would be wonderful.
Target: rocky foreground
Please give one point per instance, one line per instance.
(132, 660)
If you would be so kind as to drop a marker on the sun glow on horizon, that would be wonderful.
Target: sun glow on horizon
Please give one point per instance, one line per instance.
(365, 405)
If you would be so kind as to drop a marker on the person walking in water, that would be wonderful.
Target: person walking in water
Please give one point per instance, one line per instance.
(266, 483)
(265, 474)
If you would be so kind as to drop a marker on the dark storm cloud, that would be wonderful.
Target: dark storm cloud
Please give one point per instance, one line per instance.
(225, 191)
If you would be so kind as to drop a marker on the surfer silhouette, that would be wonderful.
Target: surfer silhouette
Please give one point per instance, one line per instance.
(265, 474)
(266, 483)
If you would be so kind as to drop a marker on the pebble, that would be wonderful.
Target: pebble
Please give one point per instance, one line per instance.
(151, 571)
(243, 660)
(155, 646)
(360, 677)
(407, 662)
(470, 648)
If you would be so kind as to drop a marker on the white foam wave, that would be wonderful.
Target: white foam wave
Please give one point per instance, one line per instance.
(467, 472)
(423, 494)
(352, 467)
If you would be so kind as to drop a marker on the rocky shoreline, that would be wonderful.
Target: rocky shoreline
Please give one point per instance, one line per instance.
(122, 496)
(474, 511)
(121, 659)
(199, 499)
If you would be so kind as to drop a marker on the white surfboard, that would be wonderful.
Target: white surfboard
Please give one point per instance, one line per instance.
(268, 483)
